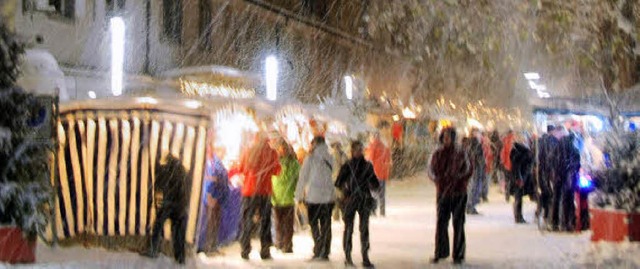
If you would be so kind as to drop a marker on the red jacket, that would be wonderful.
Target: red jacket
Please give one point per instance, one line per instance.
(505, 154)
(451, 169)
(488, 154)
(259, 164)
(380, 156)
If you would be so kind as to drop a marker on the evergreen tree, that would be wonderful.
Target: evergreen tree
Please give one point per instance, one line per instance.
(24, 171)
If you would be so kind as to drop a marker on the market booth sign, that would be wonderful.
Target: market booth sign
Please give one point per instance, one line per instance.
(211, 90)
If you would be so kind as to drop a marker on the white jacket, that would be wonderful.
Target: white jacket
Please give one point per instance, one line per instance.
(315, 184)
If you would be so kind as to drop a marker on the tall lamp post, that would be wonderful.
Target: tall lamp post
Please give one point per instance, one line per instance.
(117, 54)
(271, 77)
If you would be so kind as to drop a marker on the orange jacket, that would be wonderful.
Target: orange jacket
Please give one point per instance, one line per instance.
(380, 156)
(505, 154)
(258, 165)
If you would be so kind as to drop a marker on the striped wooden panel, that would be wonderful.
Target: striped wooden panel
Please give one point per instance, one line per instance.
(105, 165)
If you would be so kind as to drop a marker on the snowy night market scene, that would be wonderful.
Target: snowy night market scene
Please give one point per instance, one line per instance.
(320, 134)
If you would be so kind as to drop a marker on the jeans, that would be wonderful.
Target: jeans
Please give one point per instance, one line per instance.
(320, 221)
(178, 230)
(448, 206)
(209, 226)
(382, 197)
(364, 212)
(251, 205)
(474, 190)
(284, 227)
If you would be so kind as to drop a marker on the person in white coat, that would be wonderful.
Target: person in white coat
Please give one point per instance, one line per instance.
(315, 188)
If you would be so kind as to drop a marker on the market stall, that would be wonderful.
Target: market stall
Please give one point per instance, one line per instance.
(107, 154)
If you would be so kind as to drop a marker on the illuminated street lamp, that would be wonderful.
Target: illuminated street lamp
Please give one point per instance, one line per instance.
(271, 76)
(531, 76)
(117, 54)
(348, 82)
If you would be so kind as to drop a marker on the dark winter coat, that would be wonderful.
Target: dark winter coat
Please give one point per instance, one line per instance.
(451, 169)
(356, 180)
(496, 147)
(548, 158)
(569, 162)
(172, 182)
(521, 165)
(476, 154)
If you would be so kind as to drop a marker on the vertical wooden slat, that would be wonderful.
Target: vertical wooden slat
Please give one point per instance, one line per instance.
(135, 151)
(77, 172)
(64, 183)
(100, 173)
(89, 154)
(196, 183)
(125, 128)
(113, 176)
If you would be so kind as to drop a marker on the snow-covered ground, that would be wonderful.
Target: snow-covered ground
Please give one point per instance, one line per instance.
(404, 239)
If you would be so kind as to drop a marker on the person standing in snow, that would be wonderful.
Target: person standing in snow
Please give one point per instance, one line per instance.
(171, 185)
(570, 166)
(522, 184)
(258, 165)
(489, 168)
(315, 188)
(476, 185)
(505, 159)
(215, 191)
(357, 179)
(451, 170)
(380, 155)
(284, 186)
(547, 155)
(340, 159)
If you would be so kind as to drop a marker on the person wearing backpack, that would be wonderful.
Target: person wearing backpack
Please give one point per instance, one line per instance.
(315, 189)
(357, 179)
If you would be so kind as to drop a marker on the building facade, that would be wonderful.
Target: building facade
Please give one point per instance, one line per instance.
(316, 43)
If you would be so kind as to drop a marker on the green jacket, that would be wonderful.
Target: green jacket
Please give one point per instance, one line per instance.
(284, 184)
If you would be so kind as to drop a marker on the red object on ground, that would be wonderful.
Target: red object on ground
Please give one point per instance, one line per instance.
(14, 247)
(615, 226)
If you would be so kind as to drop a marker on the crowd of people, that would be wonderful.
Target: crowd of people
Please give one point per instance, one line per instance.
(546, 168)
(326, 183)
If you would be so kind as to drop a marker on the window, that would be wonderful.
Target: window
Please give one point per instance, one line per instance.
(172, 19)
(114, 6)
(206, 24)
(65, 8)
(319, 9)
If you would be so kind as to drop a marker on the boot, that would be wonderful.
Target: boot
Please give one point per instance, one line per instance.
(348, 261)
(365, 260)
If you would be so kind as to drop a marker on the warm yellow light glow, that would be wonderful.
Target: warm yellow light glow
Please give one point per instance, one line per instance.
(396, 118)
(206, 89)
(231, 126)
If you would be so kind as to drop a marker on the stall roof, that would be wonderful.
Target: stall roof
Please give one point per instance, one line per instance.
(576, 106)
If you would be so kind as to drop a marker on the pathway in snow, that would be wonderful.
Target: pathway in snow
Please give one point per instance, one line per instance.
(404, 239)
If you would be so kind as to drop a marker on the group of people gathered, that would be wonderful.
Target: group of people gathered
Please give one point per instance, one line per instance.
(546, 169)
(327, 183)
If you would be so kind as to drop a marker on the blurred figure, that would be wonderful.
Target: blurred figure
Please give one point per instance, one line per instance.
(315, 188)
(258, 165)
(489, 165)
(505, 159)
(380, 155)
(284, 186)
(451, 169)
(357, 179)
(476, 155)
(496, 148)
(341, 158)
(522, 182)
(547, 158)
(568, 172)
(171, 185)
(215, 191)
